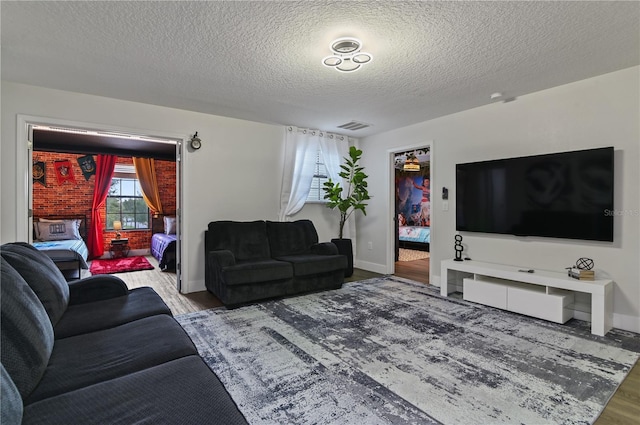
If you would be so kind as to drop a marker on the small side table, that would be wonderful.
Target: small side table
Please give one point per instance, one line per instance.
(119, 247)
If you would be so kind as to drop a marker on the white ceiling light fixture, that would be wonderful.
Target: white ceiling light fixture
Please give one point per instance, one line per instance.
(347, 56)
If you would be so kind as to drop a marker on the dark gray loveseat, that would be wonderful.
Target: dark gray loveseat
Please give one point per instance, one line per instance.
(254, 260)
(94, 352)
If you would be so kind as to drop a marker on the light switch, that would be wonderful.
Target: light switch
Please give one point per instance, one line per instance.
(445, 205)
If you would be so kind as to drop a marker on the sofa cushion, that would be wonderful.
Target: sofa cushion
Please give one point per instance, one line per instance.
(83, 360)
(257, 271)
(11, 406)
(305, 265)
(41, 274)
(291, 238)
(99, 315)
(247, 240)
(26, 335)
(183, 391)
(96, 288)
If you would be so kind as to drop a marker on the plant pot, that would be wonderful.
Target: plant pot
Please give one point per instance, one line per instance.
(345, 248)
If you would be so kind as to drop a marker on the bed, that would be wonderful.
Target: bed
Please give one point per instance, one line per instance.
(414, 237)
(163, 244)
(62, 239)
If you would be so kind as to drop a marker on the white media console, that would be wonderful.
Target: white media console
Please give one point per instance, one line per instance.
(542, 294)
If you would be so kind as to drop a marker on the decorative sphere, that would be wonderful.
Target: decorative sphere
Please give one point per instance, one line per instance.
(584, 263)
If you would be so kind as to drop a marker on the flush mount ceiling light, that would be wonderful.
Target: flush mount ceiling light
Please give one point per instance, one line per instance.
(347, 56)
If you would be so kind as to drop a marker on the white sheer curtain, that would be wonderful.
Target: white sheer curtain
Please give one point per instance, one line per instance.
(301, 147)
(334, 149)
(300, 150)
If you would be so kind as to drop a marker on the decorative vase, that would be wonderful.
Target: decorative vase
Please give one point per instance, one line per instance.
(345, 248)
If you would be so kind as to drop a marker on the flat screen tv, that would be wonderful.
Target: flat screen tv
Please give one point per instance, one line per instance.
(560, 195)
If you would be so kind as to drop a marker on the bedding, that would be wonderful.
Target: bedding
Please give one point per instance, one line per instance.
(60, 239)
(418, 234)
(414, 237)
(65, 251)
(163, 248)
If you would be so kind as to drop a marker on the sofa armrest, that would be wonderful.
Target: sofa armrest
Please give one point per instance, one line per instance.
(324, 248)
(96, 288)
(221, 258)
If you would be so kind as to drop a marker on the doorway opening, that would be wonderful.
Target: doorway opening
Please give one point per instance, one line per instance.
(65, 157)
(412, 213)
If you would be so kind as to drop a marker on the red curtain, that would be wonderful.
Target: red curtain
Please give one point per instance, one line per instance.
(104, 171)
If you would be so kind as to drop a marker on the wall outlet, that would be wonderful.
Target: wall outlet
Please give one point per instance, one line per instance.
(370, 246)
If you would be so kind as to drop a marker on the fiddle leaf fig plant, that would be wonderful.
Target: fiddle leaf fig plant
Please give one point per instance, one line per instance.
(354, 197)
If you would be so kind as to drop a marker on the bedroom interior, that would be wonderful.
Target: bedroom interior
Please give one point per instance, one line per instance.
(413, 215)
(568, 74)
(66, 193)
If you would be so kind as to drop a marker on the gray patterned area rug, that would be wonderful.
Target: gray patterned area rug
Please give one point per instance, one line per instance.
(392, 351)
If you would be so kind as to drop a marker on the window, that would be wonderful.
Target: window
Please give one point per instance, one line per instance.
(320, 176)
(126, 204)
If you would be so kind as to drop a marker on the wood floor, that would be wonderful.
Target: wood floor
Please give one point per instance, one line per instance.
(417, 270)
(622, 409)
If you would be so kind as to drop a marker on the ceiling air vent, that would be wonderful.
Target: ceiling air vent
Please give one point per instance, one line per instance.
(354, 125)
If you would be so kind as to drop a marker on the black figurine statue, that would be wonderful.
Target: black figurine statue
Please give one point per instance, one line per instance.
(458, 247)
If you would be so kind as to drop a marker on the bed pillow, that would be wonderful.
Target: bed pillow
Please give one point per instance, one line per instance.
(55, 230)
(170, 225)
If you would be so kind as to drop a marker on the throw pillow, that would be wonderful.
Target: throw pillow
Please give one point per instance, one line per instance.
(55, 230)
(170, 225)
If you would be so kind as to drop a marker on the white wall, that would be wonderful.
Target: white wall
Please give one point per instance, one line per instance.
(601, 111)
(236, 175)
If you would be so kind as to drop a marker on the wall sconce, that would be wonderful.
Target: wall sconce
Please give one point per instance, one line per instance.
(117, 226)
(195, 142)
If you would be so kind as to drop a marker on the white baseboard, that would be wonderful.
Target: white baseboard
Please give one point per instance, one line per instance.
(372, 267)
(132, 253)
(193, 286)
(626, 322)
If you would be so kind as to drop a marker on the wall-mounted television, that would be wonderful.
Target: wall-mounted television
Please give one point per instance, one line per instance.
(559, 195)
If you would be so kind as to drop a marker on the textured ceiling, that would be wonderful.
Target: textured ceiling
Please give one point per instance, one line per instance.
(261, 61)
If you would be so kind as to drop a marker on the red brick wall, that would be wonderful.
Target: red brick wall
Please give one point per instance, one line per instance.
(166, 176)
(75, 199)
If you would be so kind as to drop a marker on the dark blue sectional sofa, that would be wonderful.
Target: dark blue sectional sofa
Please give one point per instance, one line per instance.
(255, 260)
(94, 352)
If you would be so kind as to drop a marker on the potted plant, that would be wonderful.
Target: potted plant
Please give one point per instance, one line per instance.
(349, 200)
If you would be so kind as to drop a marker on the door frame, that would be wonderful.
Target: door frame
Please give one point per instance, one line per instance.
(24, 155)
(391, 235)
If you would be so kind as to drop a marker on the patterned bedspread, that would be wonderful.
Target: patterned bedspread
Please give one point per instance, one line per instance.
(65, 250)
(163, 248)
(414, 234)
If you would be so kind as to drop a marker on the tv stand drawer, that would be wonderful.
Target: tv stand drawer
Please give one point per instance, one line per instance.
(552, 307)
(483, 292)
